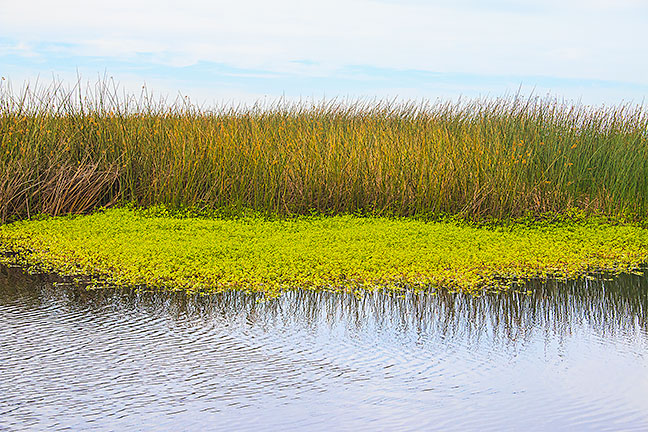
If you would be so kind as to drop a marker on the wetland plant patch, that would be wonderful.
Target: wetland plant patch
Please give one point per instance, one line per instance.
(128, 247)
(71, 151)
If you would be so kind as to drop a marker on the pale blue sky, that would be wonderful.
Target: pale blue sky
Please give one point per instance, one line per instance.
(224, 51)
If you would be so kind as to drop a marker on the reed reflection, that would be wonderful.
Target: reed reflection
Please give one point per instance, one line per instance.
(607, 306)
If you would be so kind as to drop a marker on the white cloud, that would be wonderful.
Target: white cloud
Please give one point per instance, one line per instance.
(21, 49)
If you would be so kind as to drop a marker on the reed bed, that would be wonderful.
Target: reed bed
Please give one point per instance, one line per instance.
(71, 150)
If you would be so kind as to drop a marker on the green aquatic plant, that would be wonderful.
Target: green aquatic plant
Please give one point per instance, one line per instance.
(73, 150)
(345, 252)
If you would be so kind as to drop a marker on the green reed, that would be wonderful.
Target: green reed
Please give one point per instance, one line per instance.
(70, 150)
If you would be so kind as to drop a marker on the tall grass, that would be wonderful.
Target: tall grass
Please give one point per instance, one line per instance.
(69, 150)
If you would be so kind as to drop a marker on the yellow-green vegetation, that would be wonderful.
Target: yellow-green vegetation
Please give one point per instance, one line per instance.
(70, 151)
(130, 247)
(302, 170)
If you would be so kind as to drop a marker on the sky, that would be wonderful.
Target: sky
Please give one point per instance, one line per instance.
(215, 52)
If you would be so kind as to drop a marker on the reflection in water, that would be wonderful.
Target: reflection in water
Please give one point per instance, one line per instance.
(568, 355)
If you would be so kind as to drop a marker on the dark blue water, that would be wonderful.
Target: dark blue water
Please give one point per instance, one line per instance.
(568, 356)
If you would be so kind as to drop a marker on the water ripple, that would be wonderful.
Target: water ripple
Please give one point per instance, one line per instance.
(569, 356)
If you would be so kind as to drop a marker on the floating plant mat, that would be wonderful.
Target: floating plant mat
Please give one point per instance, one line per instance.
(126, 247)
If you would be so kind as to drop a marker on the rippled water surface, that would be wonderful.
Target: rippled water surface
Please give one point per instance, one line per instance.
(566, 357)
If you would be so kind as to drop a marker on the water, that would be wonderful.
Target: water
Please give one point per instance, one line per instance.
(567, 357)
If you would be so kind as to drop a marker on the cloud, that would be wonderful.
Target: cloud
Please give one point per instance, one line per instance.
(20, 49)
